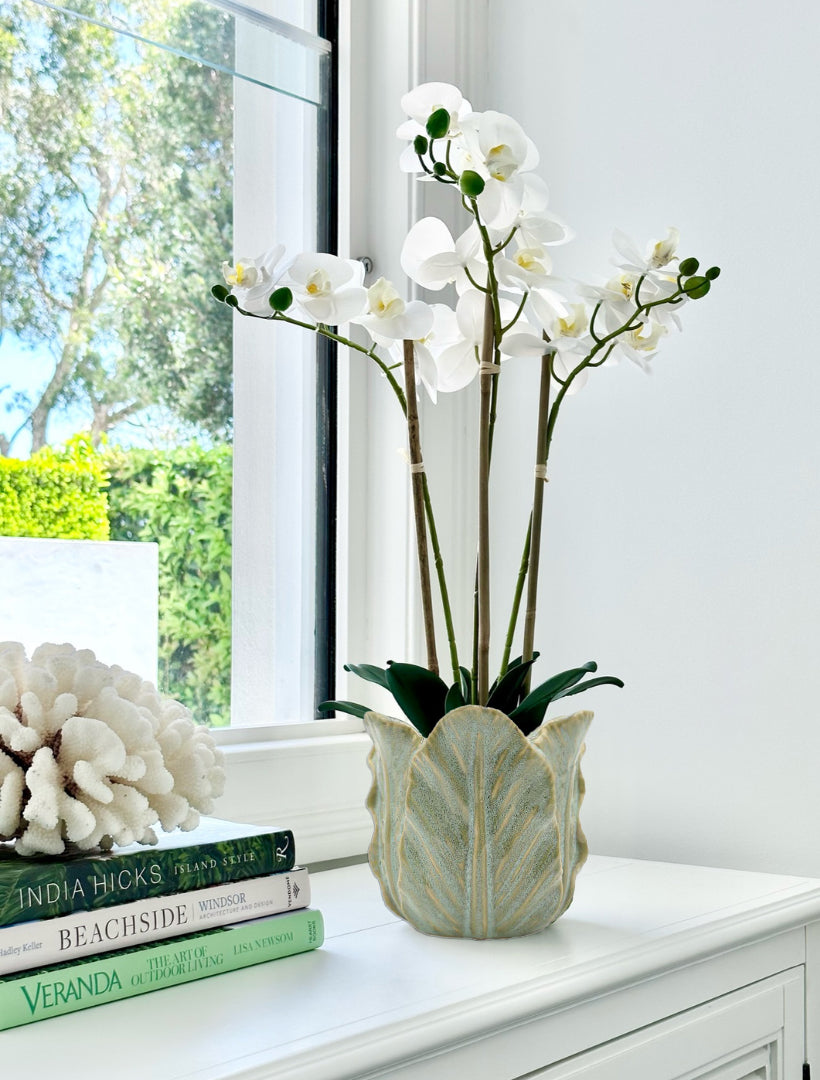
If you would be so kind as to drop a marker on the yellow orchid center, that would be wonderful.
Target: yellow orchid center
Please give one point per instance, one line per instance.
(384, 301)
(623, 284)
(664, 250)
(648, 342)
(501, 162)
(574, 325)
(530, 259)
(317, 284)
(241, 275)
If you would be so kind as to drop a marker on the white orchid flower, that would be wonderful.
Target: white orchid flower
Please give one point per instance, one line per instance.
(542, 230)
(620, 295)
(641, 343)
(431, 257)
(547, 305)
(569, 334)
(528, 268)
(495, 146)
(427, 98)
(443, 333)
(617, 298)
(564, 362)
(458, 364)
(525, 340)
(420, 104)
(327, 288)
(533, 225)
(658, 253)
(572, 327)
(388, 318)
(253, 280)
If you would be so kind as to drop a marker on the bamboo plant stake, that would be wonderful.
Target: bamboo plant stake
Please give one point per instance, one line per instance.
(417, 483)
(487, 372)
(541, 450)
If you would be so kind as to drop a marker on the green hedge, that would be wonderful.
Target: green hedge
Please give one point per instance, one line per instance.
(182, 500)
(55, 493)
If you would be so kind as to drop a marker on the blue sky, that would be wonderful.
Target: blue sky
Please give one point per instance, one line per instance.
(27, 370)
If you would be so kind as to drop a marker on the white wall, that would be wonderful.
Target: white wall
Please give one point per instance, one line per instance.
(682, 536)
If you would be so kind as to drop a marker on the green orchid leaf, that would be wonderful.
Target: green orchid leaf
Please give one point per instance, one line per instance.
(370, 673)
(512, 664)
(520, 660)
(466, 684)
(419, 693)
(506, 692)
(529, 714)
(345, 706)
(455, 698)
(602, 680)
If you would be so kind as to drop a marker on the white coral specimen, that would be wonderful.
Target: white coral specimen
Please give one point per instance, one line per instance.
(92, 755)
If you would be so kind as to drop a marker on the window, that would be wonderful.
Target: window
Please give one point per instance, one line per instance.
(140, 142)
(313, 777)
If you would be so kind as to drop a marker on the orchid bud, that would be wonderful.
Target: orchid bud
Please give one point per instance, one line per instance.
(220, 293)
(471, 184)
(696, 287)
(689, 267)
(713, 272)
(439, 168)
(438, 124)
(281, 299)
(420, 145)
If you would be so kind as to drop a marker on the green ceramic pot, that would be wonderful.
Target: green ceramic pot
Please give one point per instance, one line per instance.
(476, 830)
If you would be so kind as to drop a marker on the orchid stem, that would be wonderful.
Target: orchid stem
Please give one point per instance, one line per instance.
(417, 482)
(516, 604)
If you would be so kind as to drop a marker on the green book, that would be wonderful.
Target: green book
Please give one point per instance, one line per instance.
(63, 988)
(215, 852)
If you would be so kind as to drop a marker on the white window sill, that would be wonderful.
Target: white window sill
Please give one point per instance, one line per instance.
(303, 778)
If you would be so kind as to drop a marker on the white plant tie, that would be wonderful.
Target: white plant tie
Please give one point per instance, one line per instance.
(416, 466)
(541, 472)
(486, 368)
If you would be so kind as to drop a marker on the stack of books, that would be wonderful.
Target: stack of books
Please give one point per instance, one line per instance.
(86, 929)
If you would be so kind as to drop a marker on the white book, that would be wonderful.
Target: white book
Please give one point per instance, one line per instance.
(85, 933)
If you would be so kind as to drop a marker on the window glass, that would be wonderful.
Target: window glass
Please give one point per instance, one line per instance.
(143, 143)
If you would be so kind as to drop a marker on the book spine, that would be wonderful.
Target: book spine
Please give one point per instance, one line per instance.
(64, 988)
(70, 937)
(91, 882)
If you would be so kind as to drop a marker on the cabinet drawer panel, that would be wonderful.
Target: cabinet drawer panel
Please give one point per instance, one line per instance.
(748, 1035)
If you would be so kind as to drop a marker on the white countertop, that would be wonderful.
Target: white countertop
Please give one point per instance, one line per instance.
(378, 991)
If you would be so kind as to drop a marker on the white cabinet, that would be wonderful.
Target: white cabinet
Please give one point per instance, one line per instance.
(754, 1034)
(656, 972)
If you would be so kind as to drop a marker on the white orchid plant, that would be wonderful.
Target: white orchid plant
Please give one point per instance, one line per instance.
(509, 306)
